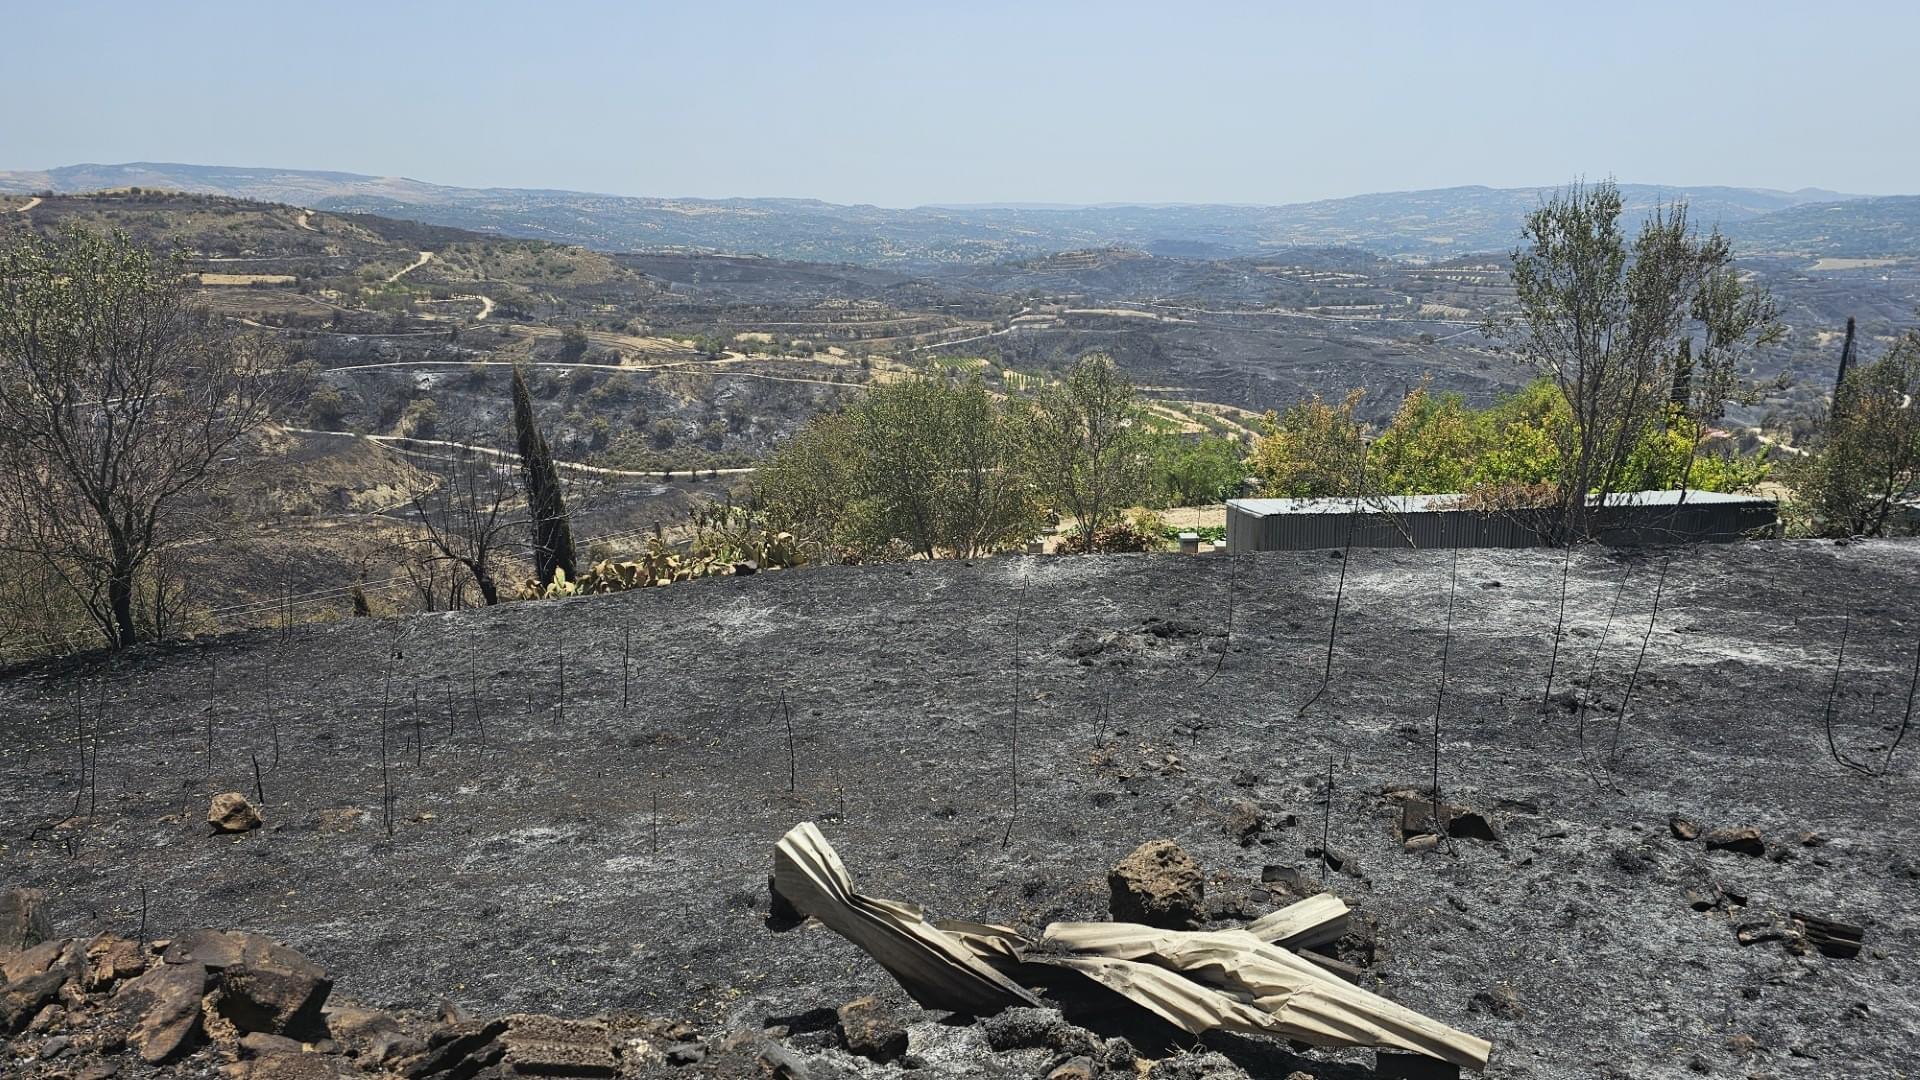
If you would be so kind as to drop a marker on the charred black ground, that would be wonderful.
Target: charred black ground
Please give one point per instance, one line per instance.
(522, 871)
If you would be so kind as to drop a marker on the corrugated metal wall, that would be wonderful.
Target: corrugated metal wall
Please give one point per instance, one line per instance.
(1384, 525)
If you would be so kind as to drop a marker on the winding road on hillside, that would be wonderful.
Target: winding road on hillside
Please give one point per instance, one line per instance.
(401, 442)
(28, 205)
(1036, 321)
(425, 258)
(689, 367)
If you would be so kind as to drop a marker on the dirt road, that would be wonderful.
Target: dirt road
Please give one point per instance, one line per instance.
(402, 441)
(705, 367)
(425, 258)
(28, 205)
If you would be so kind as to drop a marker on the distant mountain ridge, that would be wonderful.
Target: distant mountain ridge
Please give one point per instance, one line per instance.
(1438, 223)
(1876, 228)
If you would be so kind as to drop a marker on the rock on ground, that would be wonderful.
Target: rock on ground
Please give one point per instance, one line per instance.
(1159, 885)
(23, 920)
(867, 1030)
(166, 1004)
(230, 812)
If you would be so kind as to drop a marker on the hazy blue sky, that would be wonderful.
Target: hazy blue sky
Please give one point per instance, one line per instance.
(904, 102)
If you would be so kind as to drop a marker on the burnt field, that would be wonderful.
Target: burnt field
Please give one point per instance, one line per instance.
(548, 846)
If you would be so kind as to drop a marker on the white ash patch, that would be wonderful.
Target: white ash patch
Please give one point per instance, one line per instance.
(744, 619)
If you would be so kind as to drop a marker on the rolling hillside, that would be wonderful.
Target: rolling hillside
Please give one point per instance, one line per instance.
(1859, 229)
(1417, 224)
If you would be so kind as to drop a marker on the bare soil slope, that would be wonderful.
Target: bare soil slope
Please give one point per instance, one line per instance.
(558, 851)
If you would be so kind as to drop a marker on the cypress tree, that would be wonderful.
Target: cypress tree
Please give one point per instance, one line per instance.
(1682, 392)
(1846, 364)
(546, 505)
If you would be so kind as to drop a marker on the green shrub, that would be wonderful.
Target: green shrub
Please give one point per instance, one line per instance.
(1126, 537)
(1190, 471)
(1437, 444)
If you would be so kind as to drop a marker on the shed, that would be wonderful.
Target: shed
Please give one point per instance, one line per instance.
(1445, 521)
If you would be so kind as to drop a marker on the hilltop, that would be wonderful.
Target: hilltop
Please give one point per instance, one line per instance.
(1434, 224)
(1864, 229)
(554, 849)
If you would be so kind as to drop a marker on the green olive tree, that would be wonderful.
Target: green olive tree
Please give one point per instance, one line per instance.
(1866, 461)
(1088, 447)
(933, 466)
(1626, 329)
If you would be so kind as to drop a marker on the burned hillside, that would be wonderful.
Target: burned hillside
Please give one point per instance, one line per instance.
(571, 806)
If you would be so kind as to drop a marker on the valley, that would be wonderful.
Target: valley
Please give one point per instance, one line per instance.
(665, 377)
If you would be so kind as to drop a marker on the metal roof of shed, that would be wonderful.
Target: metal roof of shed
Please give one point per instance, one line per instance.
(1413, 504)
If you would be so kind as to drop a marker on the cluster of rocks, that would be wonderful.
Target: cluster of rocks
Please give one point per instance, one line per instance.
(1798, 932)
(242, 1006)
(1425, 821)
(251, 1008)
(86, 1007)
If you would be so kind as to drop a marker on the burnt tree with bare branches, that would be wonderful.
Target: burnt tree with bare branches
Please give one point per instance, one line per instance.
(119, 400)
(467, 513)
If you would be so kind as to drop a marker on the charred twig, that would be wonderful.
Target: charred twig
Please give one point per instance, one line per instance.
(1833, 694)
(1340, 588)
(259, 789)
(479, 721)
(273, 723)
(1107, 723)
(419, 731)
(1446, 650)
(386, 791)
(213, 700)
(1593, 668)
(386, 777)
(1333, 630)
(1559, 626)
(1906, 718)
(1019, 613)
(473, 687)
(626, 661)
(93, 772)
(80, 752)
(1626, 696)
(79, 739)
(1326, 824)
(793, 761)
(386, 704)
(1233, 575)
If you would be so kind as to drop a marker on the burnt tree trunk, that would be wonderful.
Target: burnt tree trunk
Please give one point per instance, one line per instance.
(120, 599)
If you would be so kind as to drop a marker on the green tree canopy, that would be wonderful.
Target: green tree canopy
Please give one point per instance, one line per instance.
(1508, 453)
(1866, 462)
(931, 466)
(1636, 335)
(1089, 444)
